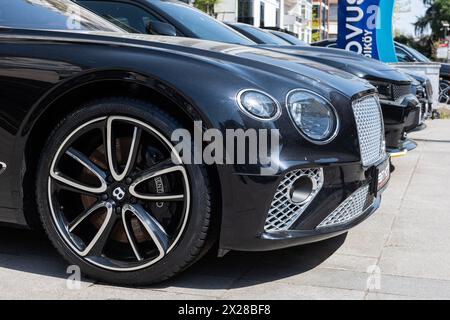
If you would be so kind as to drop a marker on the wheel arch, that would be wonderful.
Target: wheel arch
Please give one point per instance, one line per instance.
(68, 96)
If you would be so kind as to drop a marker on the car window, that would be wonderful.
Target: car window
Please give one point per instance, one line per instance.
(263, 36)
(402, 55)
(200, 24)
(122, 13)
(51, 15)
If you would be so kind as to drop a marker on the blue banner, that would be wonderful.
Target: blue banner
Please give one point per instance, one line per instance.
(365, 27)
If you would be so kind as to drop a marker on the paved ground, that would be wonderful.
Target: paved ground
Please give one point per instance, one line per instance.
(406, 242)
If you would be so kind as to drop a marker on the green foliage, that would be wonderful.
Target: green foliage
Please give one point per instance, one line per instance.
(315, 36)
(444, 113)
(206, 5)
(438, 11)
(425, 44)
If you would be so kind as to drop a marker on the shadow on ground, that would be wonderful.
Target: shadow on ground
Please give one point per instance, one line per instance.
(31, 252)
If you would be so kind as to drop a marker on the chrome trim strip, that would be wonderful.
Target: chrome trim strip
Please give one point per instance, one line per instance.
(328, 102)
(2, 167)
(119, 176)
(248, 113)
(83, 40)
(283, 212)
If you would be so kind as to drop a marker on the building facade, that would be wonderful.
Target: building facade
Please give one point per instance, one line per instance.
(333, 19)
(259, 13)
(298, 18)
(292, 15)
(320, 21)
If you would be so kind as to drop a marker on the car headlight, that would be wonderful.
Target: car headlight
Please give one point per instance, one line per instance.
(313, 115)
(258, 104)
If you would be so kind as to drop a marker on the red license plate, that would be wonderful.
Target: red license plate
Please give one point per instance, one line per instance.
(384, 174)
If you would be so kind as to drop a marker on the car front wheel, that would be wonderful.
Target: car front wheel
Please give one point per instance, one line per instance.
(113, 200)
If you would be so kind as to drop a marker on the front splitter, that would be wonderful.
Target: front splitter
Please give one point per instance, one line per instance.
(407, 146)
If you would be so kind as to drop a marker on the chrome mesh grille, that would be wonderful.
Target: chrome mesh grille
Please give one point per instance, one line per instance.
(283, 212)
(429, 89)
(349, 210)
(369, 124)
(399, 91)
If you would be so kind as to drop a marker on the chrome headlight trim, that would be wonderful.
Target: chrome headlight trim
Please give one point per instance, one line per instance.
(251, 115)
(328, 103)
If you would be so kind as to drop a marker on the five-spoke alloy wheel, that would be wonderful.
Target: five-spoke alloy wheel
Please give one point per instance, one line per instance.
(118, 197)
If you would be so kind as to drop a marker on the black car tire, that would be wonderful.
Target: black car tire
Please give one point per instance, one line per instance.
(192, 242)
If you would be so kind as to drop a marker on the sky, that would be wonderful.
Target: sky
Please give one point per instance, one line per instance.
(407, 12)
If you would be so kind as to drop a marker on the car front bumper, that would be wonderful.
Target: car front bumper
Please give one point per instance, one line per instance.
(245, 229)
(400, 117)
(405, 146)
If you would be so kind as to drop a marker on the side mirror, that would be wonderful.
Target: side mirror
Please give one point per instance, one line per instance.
(161, 28)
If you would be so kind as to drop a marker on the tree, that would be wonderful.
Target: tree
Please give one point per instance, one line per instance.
(206, 5)
(437, 12)
(424, 45)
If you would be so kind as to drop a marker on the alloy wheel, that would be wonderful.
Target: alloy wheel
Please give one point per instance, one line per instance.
(444, 96)
(119, 193)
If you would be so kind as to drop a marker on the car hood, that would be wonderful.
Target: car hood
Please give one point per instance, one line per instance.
(230, 56)
(417, 78)
(356, 64)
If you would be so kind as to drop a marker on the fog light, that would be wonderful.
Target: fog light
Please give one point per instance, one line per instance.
(302, 189)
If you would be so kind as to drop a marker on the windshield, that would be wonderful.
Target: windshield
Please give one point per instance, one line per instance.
(200, 24)
(263, 36)
(51, 15)
(290, 38)
(418, 55)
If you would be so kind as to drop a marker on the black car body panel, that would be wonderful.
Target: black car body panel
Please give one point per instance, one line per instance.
(52, 66)
(399, 112)
(404, 54)
(445, 71)
(397, 115)
(423, 90)
(353, 63)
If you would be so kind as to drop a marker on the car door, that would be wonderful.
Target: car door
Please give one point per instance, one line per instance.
(16, 91)
(24, 78)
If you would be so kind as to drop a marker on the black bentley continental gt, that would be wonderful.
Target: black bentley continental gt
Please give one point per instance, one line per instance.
(87, 122)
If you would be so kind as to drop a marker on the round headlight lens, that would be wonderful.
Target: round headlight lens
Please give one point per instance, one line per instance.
(258, 104)
(314, 116)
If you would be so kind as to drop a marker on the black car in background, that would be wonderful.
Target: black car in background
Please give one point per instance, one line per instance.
(423, 88)
(408, 54)
(401, 109)
(404, 54)
(169, 17)
(88, 116)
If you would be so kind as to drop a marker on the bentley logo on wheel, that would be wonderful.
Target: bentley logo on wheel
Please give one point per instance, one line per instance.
(118, 193)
